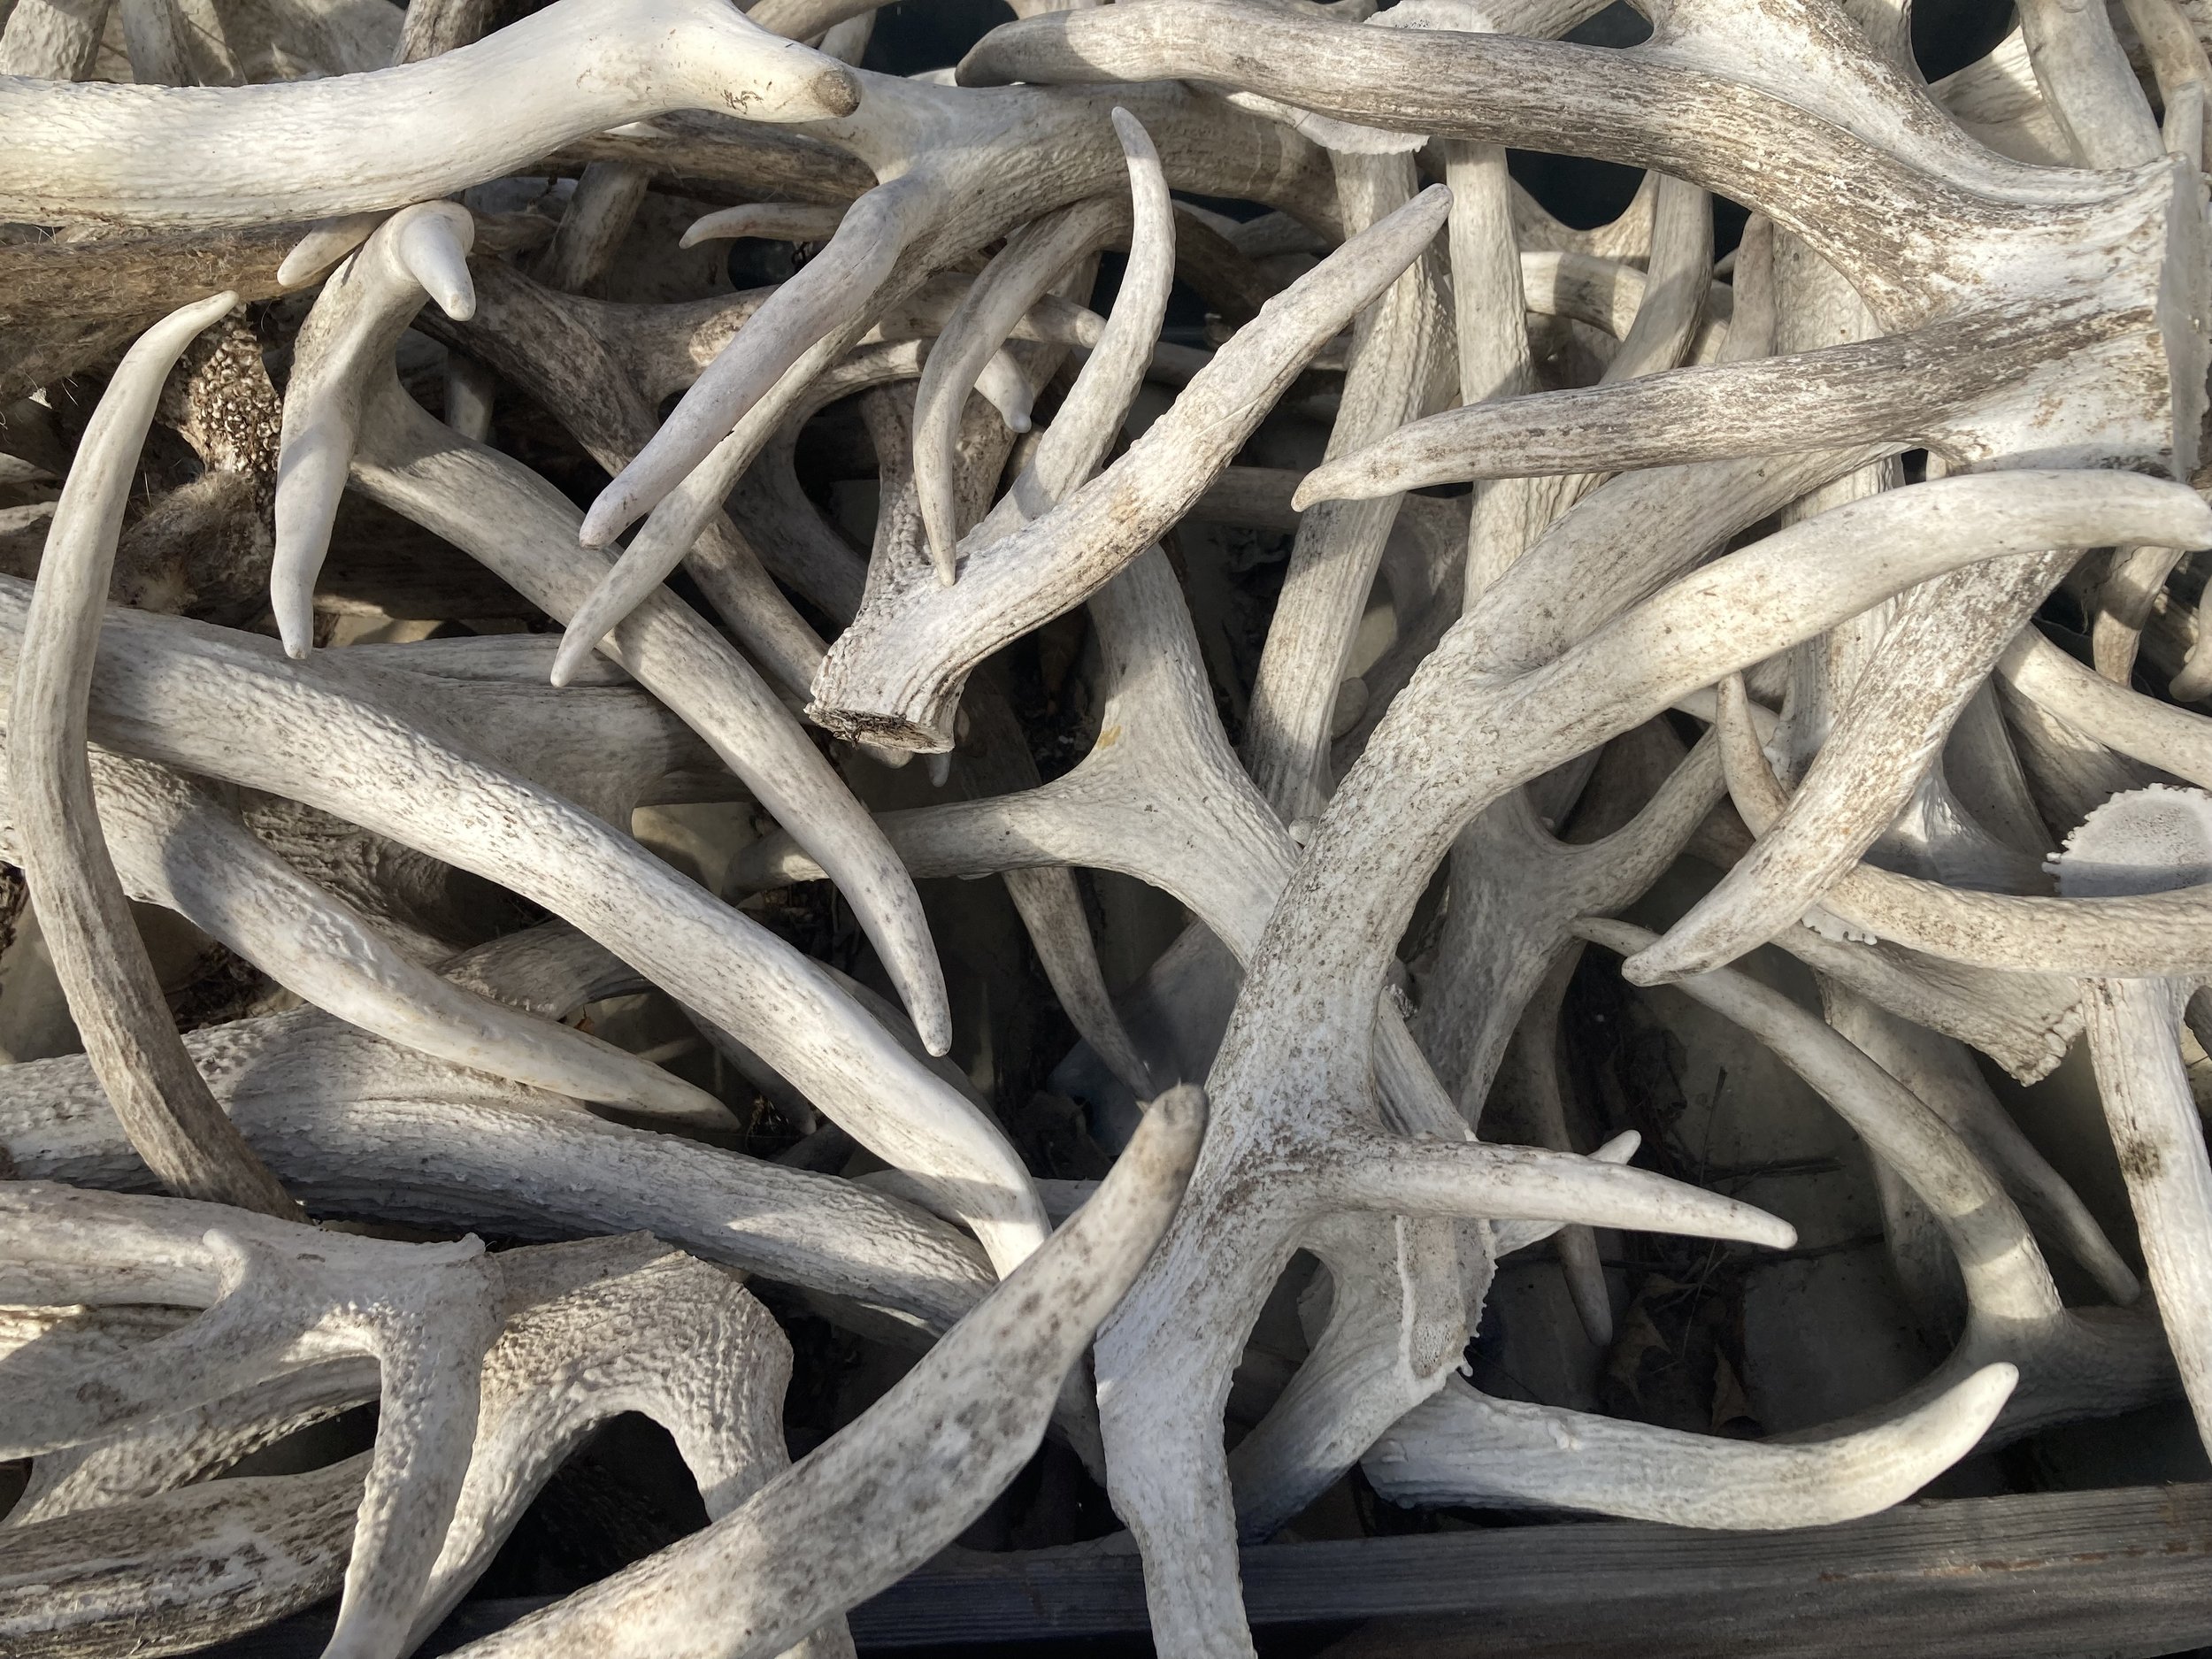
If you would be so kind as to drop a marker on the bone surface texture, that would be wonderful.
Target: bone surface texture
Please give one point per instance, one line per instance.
(786, 787)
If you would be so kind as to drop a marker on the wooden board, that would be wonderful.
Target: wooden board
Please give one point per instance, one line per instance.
(2121, 1574)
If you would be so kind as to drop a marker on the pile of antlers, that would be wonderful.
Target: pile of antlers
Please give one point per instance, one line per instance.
(1747, 582)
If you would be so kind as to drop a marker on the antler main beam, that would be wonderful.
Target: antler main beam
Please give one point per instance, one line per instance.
(1399, 599)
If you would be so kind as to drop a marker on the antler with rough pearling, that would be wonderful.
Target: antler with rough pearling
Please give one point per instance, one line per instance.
(174, 844)
(510, 830)
(364, 308)
(679, 520)
(896, 672)
(98, 956)
(937, 201)
(1105, 813)
(2138, 843)
(1159, 797)
(1948, 633)
(278, 1296)
(2019, 287)
(1296, 1051)
(995, 757)
(365, 1128)
(2067, 1362)
(565, 1336)
(219, 157)
(903, 1480)
(875, 217)
(718, 690)
(1778, 142)
(2120, 934)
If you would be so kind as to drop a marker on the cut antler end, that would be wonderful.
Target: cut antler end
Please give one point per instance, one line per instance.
(885, 731)
(836, 92)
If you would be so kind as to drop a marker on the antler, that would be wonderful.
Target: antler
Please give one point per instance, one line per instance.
(1178, 588)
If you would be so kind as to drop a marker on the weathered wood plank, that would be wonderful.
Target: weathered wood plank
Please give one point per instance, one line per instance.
(2123, 1574)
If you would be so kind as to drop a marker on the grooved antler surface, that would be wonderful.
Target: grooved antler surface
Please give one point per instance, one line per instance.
(1169, 463)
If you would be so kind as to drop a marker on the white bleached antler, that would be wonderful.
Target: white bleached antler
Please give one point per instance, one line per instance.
(1347, 597)
(209, 156)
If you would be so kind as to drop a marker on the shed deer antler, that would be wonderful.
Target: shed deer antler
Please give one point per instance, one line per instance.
(1197, 604)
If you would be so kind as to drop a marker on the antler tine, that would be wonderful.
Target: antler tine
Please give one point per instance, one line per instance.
(1495, 513)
